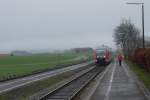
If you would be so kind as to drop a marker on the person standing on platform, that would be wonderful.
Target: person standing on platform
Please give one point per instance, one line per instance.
(120, 58)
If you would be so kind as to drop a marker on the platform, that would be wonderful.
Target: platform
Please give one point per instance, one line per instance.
(118, 84)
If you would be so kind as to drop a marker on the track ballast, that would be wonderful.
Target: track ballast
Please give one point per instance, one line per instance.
(71, 89)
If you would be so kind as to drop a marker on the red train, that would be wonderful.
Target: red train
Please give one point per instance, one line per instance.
(103, 55)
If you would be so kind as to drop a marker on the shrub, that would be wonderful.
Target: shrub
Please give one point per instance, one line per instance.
(147, 56)
(141, 56)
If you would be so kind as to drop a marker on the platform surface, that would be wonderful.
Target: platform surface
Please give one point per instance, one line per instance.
(118, 84)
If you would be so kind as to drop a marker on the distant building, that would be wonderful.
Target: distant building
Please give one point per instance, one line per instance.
(80, 50)
(104, 47)
(20, 53)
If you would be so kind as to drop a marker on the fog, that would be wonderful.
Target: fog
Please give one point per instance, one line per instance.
(64, 24)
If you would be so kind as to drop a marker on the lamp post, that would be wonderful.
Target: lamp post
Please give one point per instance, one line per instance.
(143, 39)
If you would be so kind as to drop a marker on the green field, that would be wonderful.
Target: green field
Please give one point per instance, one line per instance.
(12, 66)
(32, 90)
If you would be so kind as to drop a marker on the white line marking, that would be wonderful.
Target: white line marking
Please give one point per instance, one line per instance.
(92, 91)
(110, 83)
(88, 97)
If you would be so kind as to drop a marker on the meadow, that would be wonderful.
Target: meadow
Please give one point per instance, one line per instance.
(14, 66)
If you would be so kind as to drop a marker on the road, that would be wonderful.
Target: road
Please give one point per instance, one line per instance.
(118, 84)
(12, 84)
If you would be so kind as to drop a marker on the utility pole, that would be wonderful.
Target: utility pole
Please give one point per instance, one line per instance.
(143, 25)
(143, 30)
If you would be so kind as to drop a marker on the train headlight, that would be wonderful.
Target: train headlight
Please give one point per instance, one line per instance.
(98, 56)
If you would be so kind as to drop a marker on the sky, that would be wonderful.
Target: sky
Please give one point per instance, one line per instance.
(64, 24)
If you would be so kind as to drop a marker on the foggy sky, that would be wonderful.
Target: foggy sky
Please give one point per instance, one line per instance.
(62, 24)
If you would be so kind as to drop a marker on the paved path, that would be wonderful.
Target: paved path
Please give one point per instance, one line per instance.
(9, 85)
(118, 84)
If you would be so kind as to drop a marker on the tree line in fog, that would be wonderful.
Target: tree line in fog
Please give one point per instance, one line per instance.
(127, 37)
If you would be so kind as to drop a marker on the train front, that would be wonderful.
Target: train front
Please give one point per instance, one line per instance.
(100, 56)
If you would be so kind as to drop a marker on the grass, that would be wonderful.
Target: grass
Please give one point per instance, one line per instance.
(24, 92)
(141, 73)
(23, 65)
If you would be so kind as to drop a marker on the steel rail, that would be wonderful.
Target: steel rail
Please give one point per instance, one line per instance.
(69, 90)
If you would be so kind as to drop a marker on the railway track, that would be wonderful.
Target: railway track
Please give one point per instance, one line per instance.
(72, 88)
(19, 82)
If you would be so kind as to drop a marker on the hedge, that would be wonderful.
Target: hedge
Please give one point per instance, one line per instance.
(141, 56)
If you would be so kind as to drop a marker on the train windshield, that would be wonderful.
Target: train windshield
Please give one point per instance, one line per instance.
(100, 52)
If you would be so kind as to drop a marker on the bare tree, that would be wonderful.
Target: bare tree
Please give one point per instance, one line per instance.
(126, 35)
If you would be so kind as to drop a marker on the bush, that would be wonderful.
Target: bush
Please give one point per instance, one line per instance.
(141, 56)
(147, 56)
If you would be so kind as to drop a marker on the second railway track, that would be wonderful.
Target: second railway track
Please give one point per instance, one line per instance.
(72, 88)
